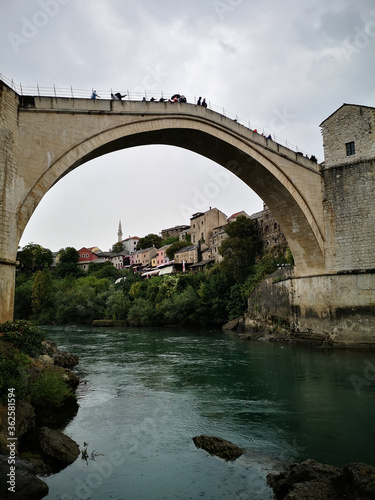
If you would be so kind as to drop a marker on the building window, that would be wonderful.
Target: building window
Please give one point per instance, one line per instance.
(350, 148)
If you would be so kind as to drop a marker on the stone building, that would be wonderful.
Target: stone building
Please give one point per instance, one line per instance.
(202, 224)
(348, 173)
(144, 257)
(270, 230)
(190, 254)
(219, 235)
(173, 231)
(349, 135)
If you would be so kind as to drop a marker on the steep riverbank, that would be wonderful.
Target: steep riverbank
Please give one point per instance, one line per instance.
(30, 440)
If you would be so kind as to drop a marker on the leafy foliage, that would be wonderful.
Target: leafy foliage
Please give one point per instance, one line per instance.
(42, 291)
(149, 241)
(22, 299)
(117, 306)
(24, 336)
(118, 247)
(241, 248)
(13, 366)
(49, 388)
(142, 313)
(34, 256)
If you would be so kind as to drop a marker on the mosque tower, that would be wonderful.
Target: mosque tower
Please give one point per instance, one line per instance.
(119, 232)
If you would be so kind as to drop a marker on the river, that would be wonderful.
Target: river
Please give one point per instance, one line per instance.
(145, 393)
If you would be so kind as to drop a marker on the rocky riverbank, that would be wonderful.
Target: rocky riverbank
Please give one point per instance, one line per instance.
(37, 445)
(311, 480)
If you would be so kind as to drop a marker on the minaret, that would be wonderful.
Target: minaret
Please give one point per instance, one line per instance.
(119, 232)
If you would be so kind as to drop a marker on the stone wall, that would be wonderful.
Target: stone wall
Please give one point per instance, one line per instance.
(10, 185)
(336, 310)
(349, 211)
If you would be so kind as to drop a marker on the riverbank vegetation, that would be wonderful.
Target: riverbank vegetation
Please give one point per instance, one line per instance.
(208, 299)
(21, 344)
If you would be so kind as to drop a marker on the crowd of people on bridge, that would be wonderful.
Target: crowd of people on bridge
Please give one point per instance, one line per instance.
(174, 98)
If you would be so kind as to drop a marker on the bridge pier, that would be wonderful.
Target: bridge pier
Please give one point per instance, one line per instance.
(7, 283)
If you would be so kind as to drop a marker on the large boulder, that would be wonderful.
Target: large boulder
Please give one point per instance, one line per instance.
(218, 446)
(27, 485)
(65, 359)
(311, 480)
(57, 449)
(359, 481)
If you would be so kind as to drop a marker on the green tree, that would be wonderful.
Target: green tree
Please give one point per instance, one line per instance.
(241, 248)
(22, 296)
(118, 247)
(103, 270)
(182, 308)
(42, 291)
(117, 306)
(68, 260)
(34, 256)
(68, 255)
(149, 241)
(142, 313)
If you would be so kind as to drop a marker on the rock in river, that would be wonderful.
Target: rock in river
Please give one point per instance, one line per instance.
(58, 449)
(218, 446)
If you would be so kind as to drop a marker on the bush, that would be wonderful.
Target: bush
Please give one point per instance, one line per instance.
(142, 313)
(24, 336)
(117, 306)
(237, 302)
(50, 389)
(181, 308)
(13, 365)
(22, 299)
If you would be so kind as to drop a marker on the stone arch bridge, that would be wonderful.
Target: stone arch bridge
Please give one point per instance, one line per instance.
(44, 138)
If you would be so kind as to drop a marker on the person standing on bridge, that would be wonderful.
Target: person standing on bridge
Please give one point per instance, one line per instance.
(204, 104)
(199, 101)
(94, 95)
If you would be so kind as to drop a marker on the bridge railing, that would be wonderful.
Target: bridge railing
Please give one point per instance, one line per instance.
(139, 96)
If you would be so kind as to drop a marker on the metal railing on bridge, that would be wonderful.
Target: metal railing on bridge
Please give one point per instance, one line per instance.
(141, 96)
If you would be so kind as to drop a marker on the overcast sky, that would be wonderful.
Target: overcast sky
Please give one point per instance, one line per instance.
(283, 65)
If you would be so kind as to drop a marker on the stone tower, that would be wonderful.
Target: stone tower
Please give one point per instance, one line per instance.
(119, 232)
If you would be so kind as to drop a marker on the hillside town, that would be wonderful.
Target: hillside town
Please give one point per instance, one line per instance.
(203, 237)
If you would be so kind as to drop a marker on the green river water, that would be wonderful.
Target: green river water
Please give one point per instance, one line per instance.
(145, 393)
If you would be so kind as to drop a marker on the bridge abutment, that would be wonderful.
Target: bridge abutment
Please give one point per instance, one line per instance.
(10, 190)
(329, 310)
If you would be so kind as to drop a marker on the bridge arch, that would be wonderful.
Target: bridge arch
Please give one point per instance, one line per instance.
(269, 174)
